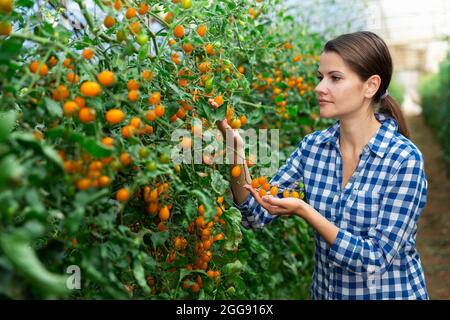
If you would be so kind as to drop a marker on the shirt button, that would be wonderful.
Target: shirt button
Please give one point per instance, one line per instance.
(336, 198)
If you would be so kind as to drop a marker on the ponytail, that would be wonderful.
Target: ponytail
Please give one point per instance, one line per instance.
(389, 106)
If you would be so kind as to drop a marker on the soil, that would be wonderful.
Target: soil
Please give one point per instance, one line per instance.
(433, 235)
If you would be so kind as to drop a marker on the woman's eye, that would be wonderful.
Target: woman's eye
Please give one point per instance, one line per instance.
(333, 77)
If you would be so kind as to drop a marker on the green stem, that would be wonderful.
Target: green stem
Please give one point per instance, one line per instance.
(167, 37)
(255, 105)
(161, 21)
(152, 35)
(28, 36)
(90, 22)
(36, 77)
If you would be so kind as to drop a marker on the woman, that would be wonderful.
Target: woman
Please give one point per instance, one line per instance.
(364, 180)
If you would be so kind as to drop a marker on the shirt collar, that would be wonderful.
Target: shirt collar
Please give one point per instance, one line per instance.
(377, 144)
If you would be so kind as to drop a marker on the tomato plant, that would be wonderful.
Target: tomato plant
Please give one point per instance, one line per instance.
(87, 111)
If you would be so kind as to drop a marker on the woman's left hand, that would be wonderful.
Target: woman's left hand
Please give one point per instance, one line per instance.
(278, 206)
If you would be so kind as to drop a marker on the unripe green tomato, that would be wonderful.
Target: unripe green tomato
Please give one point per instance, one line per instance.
(217, 44)
(241, 37)
(142, 38)
(151, 166)
(143, 152)
(164, 158)
(120, 36)
(209, 84)
(115, 165)
(231, 290)
(186, 4)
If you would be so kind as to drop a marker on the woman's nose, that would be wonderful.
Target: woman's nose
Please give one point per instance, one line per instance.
(320, 88)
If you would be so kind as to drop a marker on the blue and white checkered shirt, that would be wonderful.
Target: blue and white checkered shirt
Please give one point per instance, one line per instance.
(374, 255)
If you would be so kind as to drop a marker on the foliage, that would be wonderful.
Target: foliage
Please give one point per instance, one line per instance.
(434, 90)
(78, 187)
(397, 90)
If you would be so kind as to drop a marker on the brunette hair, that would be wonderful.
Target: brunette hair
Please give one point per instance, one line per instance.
(367, 54)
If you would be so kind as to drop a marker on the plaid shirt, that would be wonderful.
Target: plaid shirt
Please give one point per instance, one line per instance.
(374, 255)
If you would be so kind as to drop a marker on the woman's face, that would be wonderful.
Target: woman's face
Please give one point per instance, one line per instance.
(341, 93)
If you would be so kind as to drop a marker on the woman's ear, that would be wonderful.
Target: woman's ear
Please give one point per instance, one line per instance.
(371, 86)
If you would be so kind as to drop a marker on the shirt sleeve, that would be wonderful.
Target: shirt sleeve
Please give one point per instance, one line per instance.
(402, 202)
(255, 216)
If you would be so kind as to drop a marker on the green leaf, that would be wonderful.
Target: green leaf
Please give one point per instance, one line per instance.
(159, 238)
(186, 272)
(48, 151)
(305, 121)
(27, 138)
(190, 210)
(35, 202)
(218, 183)
(139, 275)
(205, 110)
(53, 156)
(279, 98)
(74, 219)
(149, 262)
(87, 198)
(91, 145)
(16, 247)
(232, 268)
(53, 107)
(243, 82)
(24, 3)
(10, 170)
(260, 28)
(56, 132)
(219, 113)
(233, 233)
(292, 110)
(48, 28)
(232, 85)
(175, 88)
(281, 85)
(239, 284)
(9, 50)
(105, 220)
(210, 208)
(7, 121)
